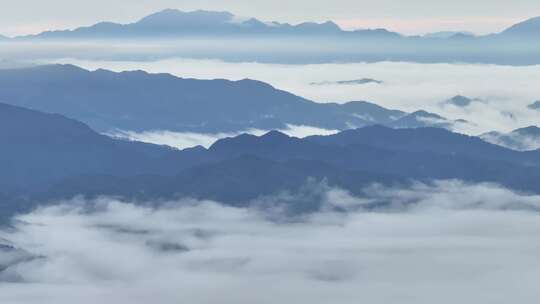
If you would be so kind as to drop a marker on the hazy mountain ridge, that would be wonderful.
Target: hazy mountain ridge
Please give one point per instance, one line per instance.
(172, 22)
(523, 139)
(195, 34)
(175, 22)
(139, 101)
(263, 41)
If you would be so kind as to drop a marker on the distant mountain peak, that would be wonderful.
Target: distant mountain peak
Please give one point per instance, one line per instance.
(528, 27)
(461, 101)
(174, 17)
(166, 102)
(275, 135)
(173, 22)
(326, 26)
(253, 22)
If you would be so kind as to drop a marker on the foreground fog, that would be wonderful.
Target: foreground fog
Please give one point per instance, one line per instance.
(443, 243)
(502, 92)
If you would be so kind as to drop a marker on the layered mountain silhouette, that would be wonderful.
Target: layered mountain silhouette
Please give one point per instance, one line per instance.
(523, 139)
(517, 45)
(138, 101)
(172, 22)
(422, 119)
(48, 157)
(51, 147)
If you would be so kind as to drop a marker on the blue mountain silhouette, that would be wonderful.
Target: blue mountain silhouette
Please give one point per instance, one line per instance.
(139, 101)
(47, 157)
(517, 45)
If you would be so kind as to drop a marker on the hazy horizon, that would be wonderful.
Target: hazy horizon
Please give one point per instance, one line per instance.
(480, 17)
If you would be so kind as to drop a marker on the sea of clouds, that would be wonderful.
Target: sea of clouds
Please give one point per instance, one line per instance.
(444, 242)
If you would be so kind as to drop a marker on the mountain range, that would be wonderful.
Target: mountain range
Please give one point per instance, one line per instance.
(175, 23)
(139, 101)
(261, 41)
(172, 22)
(48, 157)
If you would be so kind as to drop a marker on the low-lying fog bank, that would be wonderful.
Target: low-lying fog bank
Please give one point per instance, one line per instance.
(447, 242)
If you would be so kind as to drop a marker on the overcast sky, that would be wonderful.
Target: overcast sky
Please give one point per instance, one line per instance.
(416, 16)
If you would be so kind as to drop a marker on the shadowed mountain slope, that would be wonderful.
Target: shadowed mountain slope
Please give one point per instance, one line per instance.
(138, 101)
(48, 157)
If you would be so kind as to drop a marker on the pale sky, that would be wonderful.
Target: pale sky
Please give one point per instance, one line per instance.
(405, 16)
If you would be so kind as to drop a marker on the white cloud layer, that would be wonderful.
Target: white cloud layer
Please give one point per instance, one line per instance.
(447, 242)
(506, 90)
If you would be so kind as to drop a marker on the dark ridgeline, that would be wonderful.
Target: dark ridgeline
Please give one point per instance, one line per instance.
(47, 157)
(139, 101)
